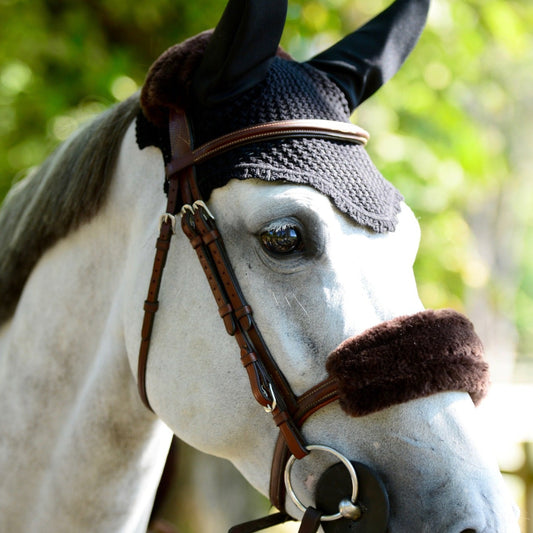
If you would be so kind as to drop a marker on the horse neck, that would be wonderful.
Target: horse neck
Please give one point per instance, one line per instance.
(78, 448)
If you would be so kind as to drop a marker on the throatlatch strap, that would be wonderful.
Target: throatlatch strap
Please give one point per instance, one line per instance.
(180, 143)
(151, 303)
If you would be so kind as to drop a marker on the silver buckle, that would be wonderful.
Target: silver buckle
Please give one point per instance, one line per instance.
(167, 217)
(201, 203)
(272, 406)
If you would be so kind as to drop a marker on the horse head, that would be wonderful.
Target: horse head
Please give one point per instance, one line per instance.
(344, 400)
(321, 247)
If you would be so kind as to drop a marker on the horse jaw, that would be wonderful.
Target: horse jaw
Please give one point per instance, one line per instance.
(425, 450)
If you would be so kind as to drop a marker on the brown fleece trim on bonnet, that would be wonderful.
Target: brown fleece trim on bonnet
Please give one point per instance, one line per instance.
(408, 358)
(169, 79)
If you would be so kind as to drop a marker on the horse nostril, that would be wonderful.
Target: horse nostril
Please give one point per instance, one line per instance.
(469, 531)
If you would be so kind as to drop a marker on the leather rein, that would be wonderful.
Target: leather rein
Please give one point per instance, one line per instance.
(269, 386)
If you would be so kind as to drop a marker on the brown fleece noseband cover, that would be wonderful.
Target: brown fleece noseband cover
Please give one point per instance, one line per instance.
(407, 358)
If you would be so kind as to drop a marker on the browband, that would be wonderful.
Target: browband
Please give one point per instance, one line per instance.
(323, 129)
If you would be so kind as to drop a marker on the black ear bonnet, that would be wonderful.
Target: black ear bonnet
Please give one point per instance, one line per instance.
(224, 88)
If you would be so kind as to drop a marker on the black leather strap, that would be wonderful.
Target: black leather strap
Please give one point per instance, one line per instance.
(310, 521)
(261, 523)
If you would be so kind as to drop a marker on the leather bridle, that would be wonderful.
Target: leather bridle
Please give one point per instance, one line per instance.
(268, 384)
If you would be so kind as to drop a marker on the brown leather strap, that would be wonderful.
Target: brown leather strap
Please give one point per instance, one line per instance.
(277, 491)
(180, 143)
(225, 309)
(325, 129)
(309, 402)
(151, 304)
(268, 384)
(249, 337)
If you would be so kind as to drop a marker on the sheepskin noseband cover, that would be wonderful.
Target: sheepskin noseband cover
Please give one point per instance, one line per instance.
(408, 358)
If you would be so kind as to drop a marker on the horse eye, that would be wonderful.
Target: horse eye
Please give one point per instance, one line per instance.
(282, 240)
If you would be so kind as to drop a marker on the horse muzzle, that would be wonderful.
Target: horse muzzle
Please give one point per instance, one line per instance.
(403, 359)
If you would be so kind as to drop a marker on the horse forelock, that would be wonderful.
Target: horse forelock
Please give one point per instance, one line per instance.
(64, 192)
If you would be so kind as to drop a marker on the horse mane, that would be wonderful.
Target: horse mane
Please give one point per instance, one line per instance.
(66, 191)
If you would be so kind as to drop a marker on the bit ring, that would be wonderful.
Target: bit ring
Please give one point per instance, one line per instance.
(342, 459)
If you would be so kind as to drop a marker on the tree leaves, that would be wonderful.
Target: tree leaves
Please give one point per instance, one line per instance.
(452, 129)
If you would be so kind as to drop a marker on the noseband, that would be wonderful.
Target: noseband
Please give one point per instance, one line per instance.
(268, 384)
(397, 361)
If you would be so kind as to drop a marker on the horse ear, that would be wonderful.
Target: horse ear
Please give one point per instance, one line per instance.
(240, 51)
(364, 60)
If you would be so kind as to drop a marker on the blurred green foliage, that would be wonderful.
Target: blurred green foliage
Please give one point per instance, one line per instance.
(452, 130)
